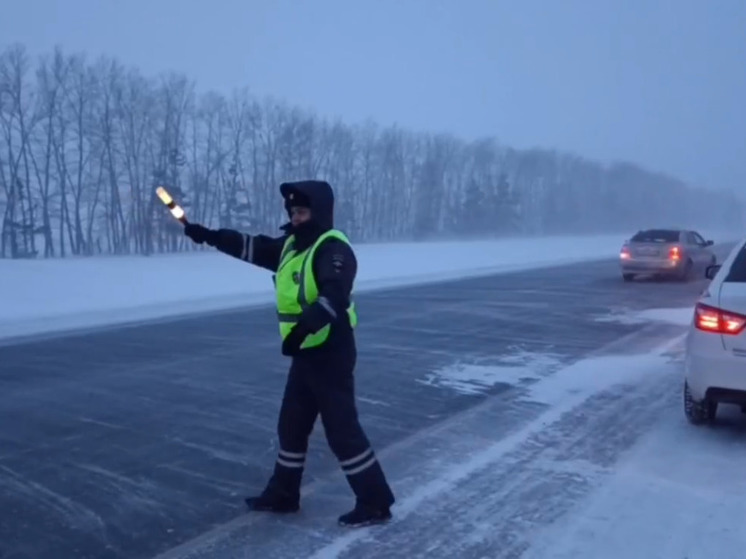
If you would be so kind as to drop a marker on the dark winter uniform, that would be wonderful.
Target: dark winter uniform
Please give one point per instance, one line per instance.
(315, 268)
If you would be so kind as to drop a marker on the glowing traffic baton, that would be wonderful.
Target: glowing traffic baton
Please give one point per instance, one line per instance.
(176, 210)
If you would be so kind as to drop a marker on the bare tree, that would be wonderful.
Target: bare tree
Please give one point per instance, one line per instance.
(83, 146)
(17, 120)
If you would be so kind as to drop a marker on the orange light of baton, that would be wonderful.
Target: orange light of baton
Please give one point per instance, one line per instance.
(176, 210)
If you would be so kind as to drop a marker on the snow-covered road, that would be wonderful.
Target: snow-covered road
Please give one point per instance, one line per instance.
(530, 414)
(488, 481)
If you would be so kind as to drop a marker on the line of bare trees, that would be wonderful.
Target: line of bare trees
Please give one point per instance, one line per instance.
(84, 144)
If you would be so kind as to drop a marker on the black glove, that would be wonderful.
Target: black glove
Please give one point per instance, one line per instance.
(200, 234)
(291, 344)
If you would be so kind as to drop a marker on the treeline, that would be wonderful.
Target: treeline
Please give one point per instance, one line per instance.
(83, 145)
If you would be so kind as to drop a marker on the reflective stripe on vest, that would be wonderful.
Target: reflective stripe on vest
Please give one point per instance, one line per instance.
(296, 289)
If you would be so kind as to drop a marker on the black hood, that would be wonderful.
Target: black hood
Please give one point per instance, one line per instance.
(318, 196)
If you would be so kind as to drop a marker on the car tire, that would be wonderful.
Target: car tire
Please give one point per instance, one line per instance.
(628, 277)
(698, 412)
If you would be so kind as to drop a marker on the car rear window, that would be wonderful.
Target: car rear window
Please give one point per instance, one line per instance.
(737, 272)
(656, 236)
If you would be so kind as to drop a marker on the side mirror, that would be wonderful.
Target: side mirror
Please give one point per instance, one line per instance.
(709, 243)
(711, 271)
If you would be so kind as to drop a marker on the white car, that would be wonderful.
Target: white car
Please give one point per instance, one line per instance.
(715, 363)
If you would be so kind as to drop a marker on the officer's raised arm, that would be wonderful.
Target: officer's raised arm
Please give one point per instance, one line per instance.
(261, 250)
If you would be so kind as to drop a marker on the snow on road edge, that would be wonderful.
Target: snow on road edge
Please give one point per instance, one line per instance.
(47, 296)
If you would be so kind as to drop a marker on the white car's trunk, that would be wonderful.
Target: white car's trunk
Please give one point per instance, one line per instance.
(732, 299)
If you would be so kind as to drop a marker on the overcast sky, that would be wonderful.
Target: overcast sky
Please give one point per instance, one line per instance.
(659, 82)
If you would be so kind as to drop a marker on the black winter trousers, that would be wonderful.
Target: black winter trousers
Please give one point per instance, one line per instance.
(323, 384)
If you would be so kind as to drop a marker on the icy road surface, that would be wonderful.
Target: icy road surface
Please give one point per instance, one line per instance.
(532, 413)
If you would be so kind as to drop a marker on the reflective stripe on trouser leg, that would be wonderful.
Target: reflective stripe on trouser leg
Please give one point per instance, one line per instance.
(367, 480)
(288, 473)
(358, 463)
(291, 459)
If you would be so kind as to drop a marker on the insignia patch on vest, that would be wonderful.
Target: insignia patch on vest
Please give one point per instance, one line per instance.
(338, 262)
(296, 278)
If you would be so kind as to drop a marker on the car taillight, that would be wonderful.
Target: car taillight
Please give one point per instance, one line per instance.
(674, 253)
(624, 253)
(718, 321)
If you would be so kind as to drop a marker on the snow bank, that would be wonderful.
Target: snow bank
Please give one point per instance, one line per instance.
(476, 378)
(680, 316)
(679, 493)
(47, 295)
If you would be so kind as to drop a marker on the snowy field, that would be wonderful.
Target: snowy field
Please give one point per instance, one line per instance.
(46, 295)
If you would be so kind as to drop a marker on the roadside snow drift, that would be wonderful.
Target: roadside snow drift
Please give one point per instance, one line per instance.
(681, 316)
(38, 296)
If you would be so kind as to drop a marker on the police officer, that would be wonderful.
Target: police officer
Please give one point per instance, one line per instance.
(315, 268)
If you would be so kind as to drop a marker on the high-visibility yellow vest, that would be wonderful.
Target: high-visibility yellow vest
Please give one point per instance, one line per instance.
(296, 289)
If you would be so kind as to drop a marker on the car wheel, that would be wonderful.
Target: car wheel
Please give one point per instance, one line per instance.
(628, 277)
(698, 412)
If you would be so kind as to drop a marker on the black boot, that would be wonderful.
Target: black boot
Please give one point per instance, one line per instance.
(273, 501)
(365, 515)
